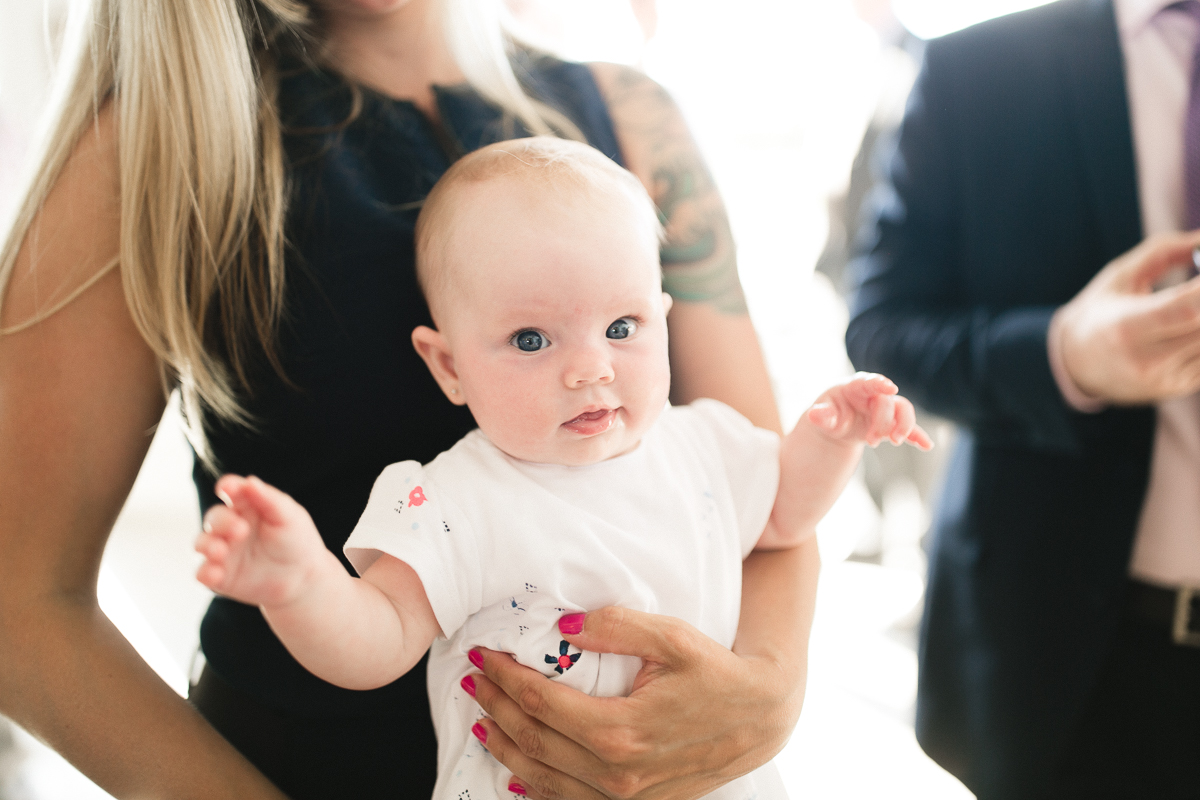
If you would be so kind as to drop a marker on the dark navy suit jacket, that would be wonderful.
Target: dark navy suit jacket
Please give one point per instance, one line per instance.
(1012, 184)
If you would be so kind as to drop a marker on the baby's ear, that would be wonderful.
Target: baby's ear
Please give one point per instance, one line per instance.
(667, 301)
(433, 348)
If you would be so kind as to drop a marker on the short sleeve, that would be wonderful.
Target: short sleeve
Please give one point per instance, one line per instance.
(404, 518)
(750, 459)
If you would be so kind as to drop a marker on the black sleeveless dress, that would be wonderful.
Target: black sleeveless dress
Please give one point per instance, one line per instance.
(359, 398)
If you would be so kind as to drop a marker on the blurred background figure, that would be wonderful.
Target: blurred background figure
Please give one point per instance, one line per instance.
(789, 101)
(1045, 185)
(899, 485)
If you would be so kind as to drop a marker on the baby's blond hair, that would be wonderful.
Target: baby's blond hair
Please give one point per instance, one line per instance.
(552, 164)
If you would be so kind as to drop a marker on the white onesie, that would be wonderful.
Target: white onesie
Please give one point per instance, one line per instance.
(505, 547)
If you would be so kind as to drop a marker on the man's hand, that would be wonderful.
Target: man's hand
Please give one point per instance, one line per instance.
(1124, 343)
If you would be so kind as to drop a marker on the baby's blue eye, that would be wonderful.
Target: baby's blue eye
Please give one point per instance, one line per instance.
(529, 341)
(621, 329)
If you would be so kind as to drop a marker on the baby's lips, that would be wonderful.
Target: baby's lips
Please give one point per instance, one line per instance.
(592, 422)
(589, 416)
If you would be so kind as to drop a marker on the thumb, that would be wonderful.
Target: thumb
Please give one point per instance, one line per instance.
(652, 637)
(1155, 258)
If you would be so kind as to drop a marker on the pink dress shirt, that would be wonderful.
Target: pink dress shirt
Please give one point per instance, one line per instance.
(1158, 45)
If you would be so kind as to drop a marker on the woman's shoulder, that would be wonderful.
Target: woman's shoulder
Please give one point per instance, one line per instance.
(647, 122)
(613, 85)
(540, 70)
(624, 86)
(84, 199)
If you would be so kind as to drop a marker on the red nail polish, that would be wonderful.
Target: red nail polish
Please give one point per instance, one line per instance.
(476, 658)
(480, 732)
(468, 684)
(516, 788)
(571, 624)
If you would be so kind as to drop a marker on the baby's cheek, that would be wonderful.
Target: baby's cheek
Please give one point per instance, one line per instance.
(514, 415)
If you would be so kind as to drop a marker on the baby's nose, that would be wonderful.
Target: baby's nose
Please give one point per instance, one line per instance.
(591, 365)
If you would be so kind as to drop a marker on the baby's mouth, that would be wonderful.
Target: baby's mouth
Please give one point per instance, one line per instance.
(591, 423)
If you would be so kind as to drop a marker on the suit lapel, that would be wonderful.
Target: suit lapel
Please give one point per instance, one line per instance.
(1097, 99)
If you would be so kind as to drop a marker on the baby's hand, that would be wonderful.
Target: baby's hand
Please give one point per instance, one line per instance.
(260, 547)
(867, 409)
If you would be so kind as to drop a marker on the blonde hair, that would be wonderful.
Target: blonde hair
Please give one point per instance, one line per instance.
(554, 165)
(203, 186)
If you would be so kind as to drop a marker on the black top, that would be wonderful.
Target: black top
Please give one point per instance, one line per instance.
(361, 397)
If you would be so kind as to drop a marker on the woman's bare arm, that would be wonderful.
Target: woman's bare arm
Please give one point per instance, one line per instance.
(714, 349)
(79, 398)
(700, 715)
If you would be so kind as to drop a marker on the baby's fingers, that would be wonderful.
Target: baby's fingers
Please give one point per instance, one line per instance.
(212, 575)
(882, 419)
(864, 387)
(223, 531)
(215, 549)
(225, 524)
(919, 438)
(216, 553)
(257, 501)
(905, 428)
(905, 419)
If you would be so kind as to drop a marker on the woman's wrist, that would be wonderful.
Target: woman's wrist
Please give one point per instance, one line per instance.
(778, 601)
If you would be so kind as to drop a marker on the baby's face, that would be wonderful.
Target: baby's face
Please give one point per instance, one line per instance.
(558, 330)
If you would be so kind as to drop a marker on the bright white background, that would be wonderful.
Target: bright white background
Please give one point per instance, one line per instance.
(779, 93)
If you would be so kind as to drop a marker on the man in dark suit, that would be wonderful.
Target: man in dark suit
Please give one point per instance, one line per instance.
(1005, 284)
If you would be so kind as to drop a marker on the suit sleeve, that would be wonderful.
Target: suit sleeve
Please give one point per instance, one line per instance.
(911, 318)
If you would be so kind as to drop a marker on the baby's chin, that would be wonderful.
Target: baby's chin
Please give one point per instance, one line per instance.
(577, 452)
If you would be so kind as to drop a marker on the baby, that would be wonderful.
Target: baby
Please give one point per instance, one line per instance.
(581, 487)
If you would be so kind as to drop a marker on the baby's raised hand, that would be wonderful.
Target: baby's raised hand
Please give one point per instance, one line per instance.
(260, 547)
(867, 409)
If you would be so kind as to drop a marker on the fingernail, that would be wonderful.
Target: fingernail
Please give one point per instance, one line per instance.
(516, 788)
(476, 658)
(480, 732)
(224, 498)
(468, 684)
(571, 624)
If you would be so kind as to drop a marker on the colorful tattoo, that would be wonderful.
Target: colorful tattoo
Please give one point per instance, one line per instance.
(699, 259)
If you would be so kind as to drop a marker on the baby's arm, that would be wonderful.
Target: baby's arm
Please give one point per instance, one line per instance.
(262, 548)
(818, 457)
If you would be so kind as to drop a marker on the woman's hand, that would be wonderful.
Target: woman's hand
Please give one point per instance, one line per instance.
(699, 714)
(681, 733)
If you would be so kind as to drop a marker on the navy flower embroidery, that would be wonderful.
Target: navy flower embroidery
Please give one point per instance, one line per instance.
(563, 661)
